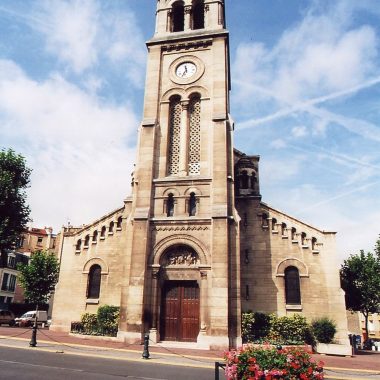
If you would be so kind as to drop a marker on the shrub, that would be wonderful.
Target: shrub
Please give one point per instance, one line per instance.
(255, 326)
(108, 319)
(267, 363)
(289, 330)
(324, 329)
(89, 322)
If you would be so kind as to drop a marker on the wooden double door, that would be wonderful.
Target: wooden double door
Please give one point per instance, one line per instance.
(180, 311)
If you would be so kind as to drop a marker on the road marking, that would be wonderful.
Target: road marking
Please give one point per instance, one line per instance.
(352, 370)
(150, 361)
(100, 348)
(76, 370)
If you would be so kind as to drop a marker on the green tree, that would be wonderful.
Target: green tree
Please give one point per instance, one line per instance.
(360, 279)
(39, 277)
(14, 212)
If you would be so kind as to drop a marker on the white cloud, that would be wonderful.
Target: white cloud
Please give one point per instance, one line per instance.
(299, 131)
(79, 148)
(72, 27)
(320, 54)
(87, 34)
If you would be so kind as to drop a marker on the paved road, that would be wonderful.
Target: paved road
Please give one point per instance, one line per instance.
(32, 365)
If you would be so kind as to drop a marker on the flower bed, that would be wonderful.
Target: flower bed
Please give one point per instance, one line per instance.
(267, 363)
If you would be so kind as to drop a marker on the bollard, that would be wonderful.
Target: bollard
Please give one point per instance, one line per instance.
(145, 354)
(216, 371)
(33, 341)
(218, 366)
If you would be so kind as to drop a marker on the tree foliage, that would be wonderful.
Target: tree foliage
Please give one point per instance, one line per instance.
(39, 278)
(360, 279)
(14, 212)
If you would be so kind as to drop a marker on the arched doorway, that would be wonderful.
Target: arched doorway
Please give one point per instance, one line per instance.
(180, 295)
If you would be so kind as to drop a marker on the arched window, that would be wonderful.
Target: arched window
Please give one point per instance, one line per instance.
(303, 238)
(86, 240)
(292, 286)
(170, 205)
(95, 236)
(94, 280)
(274, 224)
(283, 229)
(118, 223)
(313, 243)
(178, 17)
(198, 14)
(175, 111)
(253, 180)
(110, 228)
(244, 180)
(78, 245)
(195, 135)
(192, 205)
(103, 232)
(264, 220)
(294, 232)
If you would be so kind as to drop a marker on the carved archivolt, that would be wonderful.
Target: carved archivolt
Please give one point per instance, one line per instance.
(180, 256)
(190, 242)
(96, 260)
(292, 262)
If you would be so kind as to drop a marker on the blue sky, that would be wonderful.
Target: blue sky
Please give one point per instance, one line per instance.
(305, 97)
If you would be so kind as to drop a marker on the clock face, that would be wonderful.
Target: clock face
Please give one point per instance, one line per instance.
(186, 70)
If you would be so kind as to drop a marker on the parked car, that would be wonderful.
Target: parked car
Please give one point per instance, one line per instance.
(28, 318)
(7, 317)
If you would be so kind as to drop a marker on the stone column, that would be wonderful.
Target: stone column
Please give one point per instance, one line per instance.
(203, 341)
(187, 25)
(203, 298)
(153, 333)
(184, 137)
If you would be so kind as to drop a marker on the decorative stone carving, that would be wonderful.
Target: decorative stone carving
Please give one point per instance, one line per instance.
(181, 256)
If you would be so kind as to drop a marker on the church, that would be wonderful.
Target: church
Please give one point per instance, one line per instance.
(194, 246)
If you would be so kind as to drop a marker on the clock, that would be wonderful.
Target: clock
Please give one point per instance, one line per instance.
(185, 70)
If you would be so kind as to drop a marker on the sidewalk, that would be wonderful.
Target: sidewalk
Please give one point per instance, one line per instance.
(365, 365)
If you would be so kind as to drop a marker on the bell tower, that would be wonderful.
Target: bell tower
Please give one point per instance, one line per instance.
(183, 237)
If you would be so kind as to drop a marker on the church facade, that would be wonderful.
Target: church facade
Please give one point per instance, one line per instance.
(194, 246)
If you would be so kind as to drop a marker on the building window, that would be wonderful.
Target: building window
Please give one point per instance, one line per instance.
(11, 261)
(192, 205)
(198, 14)
(86, 241)
(95, 236)
(264, 220)
(313, 243)
(78, 245)
(294, 232)
(94, 281)
(175, 111)
(292, 286)
(4, 284)
(283, 229)
(303, 238)
(170, 205)
(103, 232)
(195, 135)
(110, 228)
(118, 223)
(12, 283)
(178, 17)
(274, 224)
(244, 180)
(39, 240)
